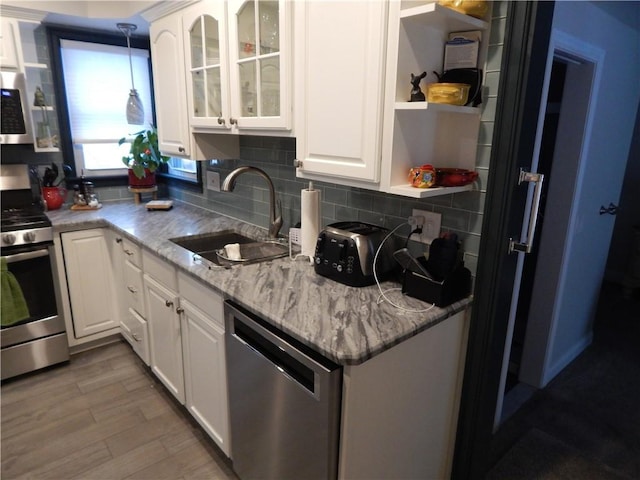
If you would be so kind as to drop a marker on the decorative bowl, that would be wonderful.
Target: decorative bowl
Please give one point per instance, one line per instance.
(454, 177)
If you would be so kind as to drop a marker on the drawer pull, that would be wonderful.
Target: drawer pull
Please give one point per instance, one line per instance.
(136, 337)
(179, 310)
(128, 252)
(118, 240)
(168, 303)
(132, 289)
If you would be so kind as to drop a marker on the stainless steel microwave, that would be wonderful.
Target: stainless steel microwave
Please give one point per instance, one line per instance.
(16, 127)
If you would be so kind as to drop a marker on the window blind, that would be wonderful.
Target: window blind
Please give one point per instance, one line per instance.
(97, 80)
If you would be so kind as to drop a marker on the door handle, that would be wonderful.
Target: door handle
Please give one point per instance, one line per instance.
(612, 209)
(536, 178)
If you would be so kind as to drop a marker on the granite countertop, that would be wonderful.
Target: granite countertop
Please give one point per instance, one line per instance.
(345, 324)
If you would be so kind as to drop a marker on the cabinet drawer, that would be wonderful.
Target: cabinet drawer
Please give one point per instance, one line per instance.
(134, 330)
(160, 269)
(134, 288)
(132, 252)
(202, 296)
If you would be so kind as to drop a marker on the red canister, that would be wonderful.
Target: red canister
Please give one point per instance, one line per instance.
(422, 177)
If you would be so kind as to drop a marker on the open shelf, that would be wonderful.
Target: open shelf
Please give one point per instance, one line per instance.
(436, 107)
(409, 191)
(437, 16)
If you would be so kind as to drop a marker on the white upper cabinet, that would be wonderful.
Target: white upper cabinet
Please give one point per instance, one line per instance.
(260, 64)
(167, 54)
(205, 40)
(339, 66)
(8, 45)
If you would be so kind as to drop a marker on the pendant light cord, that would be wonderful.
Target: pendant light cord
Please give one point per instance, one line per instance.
(127, 28)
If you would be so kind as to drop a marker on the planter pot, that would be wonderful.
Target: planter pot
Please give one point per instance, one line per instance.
(149, 179)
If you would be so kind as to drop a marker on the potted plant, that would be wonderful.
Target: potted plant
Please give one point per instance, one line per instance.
(144, 158)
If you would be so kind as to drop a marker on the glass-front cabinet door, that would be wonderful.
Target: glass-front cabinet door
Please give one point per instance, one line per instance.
(207, 65)
(260, 63)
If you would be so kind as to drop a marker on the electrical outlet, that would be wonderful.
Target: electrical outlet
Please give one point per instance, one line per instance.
(213, 181)
(431, 227)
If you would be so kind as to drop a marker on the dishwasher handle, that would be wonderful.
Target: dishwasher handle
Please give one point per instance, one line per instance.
(308, 369)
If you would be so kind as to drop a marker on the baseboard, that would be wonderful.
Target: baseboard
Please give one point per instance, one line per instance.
(567, 358)
(96, 343)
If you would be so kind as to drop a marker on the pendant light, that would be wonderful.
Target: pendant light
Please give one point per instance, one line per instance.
(135, 110)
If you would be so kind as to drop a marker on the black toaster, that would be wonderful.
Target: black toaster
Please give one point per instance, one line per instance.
(345, 252)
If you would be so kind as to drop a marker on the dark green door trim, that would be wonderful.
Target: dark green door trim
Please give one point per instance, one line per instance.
(519, 94)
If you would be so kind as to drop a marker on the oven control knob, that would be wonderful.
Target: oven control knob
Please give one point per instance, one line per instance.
(8, 239)
(29, 237)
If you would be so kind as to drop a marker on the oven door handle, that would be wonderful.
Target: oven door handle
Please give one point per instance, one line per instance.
(20, 257)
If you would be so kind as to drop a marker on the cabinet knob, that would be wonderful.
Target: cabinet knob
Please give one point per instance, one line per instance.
(128, 252)
(179, 310)
(118, 240)
(221, 121)
(131, 289)
(233, 121)
(297, 163)
(136, 337)
(168, 303)
(181, 149)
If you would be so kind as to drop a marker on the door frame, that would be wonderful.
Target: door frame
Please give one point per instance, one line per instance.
(524, 62)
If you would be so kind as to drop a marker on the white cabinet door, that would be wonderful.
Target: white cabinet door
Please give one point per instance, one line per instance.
(207, 65)
(169, 84)
(339, 89)
(260, 64)
(164, 336)
(90, 280)
(205, 373)
(8, 44)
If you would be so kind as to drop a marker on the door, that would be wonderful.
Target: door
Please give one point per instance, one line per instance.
(165, 340)
(591, 38)
(259, 63)
(205, 40)
(205, 373)
(340, 71)
(170, 85)
(90, 278)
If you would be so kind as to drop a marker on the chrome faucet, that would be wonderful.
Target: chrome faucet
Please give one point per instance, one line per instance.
(275, 215)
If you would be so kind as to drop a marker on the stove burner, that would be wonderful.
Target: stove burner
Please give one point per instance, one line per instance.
(23, 218)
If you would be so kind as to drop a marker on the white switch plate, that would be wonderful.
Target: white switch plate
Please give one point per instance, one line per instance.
(431, 227)
(213, 181)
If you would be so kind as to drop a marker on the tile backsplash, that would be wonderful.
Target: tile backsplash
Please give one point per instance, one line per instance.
(461, 213)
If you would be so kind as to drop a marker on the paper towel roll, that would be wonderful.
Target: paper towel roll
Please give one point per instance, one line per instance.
(310, 220)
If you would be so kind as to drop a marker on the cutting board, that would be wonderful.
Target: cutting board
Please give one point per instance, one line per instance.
(159, 205)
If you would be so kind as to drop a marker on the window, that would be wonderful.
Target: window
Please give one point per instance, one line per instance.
(97, 82)
(92, 80)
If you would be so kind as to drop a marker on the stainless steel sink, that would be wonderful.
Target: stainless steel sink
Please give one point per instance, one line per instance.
(210, 246)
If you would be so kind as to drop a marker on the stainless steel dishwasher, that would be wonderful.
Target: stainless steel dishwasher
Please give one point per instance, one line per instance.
(284, 401)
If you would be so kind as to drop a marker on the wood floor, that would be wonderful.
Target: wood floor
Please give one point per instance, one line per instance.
(102, 416)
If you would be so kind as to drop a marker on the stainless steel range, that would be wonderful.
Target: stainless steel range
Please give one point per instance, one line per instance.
(33, 332)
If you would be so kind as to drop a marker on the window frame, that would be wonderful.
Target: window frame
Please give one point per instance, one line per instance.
(56, 33)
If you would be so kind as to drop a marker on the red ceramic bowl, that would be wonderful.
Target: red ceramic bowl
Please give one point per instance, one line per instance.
(454, 177)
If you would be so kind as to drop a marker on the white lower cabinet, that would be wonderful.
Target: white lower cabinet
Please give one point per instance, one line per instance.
(90, 284)
(165, 340)
(205, 374)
